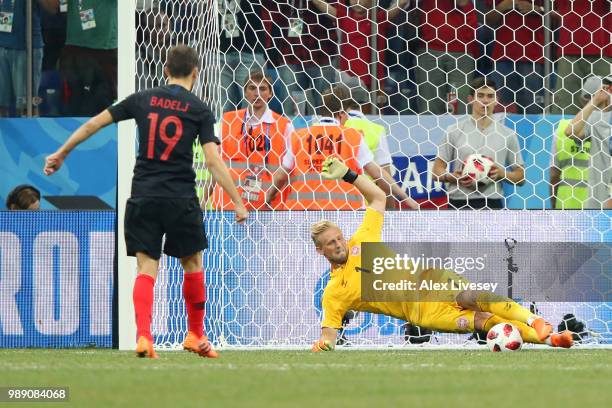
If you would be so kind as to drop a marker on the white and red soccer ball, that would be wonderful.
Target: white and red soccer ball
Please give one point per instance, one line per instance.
(504, 337)
(477, 167)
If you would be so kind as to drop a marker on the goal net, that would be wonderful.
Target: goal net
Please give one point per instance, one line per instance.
(410, 67)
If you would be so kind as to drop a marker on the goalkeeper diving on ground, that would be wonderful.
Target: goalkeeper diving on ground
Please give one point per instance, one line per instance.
(469, 311)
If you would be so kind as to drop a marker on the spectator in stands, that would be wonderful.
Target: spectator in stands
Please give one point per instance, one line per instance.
(400, 88)
(375, 136)
(53, 27)
(571, 159)
(301, 47)
(446, 66)
(518, 53)
(88, 62)
(13, 55)
(593, 123)
(23, 197)
(479, 133)
(154, 39)
(585, 48)
(355, 24)
(189, 17)
(484, 40)
(242, 47)
(253, 143)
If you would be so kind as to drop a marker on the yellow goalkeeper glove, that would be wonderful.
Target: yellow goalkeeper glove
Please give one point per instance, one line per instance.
(322, 345)
(334, 169)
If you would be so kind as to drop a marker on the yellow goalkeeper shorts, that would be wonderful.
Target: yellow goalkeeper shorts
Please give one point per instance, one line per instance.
(442, 313)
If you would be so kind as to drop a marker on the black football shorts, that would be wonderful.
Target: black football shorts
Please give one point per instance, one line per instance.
(147, 219)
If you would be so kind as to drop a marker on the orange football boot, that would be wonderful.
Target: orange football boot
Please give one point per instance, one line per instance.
(564, 339)
(200, 346)
(542, 328)
(144, 348)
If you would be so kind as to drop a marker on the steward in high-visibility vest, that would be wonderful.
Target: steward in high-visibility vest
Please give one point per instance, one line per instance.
(374, 135)
(309, 148)
(203, 176)
(573, 159)
(252, 153)
(253, 143)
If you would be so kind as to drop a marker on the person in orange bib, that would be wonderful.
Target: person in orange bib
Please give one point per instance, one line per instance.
(309, 147)
(307, 150)
(253, 142)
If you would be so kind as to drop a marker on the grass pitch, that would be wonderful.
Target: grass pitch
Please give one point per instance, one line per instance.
(374, 379)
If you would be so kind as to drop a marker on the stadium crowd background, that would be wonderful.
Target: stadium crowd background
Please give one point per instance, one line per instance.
(539, 53)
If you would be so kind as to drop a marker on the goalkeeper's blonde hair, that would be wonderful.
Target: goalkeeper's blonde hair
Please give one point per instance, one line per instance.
(320, 227)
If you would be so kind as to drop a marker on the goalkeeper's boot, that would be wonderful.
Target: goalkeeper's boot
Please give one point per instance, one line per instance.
(542, 328)
(144, 348)
(200, 346)
(563, 339)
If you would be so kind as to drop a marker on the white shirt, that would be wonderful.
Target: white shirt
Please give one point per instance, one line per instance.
(496, 141)
(364, 156)
(382, 155)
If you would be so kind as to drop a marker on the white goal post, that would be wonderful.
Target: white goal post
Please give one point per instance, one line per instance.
(126, 159)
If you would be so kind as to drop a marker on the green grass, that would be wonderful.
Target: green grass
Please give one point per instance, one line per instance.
(374, 379)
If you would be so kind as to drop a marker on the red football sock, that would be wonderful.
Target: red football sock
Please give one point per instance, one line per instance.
(143, 304)
(194, 293)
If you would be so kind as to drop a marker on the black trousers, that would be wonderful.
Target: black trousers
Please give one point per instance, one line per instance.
(91, 77)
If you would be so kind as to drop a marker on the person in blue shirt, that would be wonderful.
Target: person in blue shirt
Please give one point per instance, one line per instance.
(13, 55)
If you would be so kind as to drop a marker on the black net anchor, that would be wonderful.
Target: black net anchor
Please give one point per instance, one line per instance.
(510, 243)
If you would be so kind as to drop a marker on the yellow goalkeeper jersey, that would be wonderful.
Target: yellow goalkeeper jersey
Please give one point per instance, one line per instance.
(343, 291)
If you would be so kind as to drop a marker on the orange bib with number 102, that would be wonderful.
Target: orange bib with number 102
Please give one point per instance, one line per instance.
(252, 154)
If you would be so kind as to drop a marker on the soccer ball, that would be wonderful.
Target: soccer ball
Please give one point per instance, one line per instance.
(504, 337)
(477, 167)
